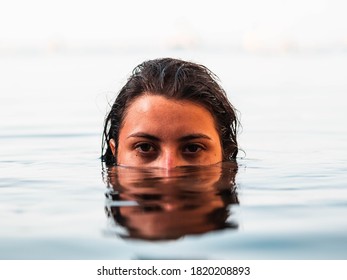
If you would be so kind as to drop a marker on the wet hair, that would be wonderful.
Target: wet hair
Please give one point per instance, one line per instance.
(174, 79)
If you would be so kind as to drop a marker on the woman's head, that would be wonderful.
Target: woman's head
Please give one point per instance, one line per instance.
(191, 96)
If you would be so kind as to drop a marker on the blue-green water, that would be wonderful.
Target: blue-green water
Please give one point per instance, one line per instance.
(290, 183)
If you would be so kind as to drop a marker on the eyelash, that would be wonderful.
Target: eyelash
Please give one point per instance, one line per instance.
(151, 146)
(198, 146)
(152, 149)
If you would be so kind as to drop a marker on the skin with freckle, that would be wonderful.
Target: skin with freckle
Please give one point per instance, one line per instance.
(159, 132)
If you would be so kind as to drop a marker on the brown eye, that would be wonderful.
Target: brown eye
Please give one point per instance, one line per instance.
(145, 148)
(192, 148)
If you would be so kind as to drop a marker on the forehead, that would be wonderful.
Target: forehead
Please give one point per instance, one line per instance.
(155, 113)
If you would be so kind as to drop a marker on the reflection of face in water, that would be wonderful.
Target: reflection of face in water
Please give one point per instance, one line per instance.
(159, 204)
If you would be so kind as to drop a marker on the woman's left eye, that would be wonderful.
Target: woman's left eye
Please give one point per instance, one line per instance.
(192, 148)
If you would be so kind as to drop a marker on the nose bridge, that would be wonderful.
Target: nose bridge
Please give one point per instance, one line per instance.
(170, 158)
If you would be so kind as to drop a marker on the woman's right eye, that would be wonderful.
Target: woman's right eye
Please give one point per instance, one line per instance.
(145, 148)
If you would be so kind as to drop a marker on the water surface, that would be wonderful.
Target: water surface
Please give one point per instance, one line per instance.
(158, 204)
(287, 198)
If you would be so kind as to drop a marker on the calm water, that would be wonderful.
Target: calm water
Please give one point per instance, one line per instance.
(285, 198)
(161, 205)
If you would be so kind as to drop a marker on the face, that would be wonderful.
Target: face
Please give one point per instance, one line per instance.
(164, 133)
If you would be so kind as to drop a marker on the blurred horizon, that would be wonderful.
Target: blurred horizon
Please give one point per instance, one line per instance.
(119, 26)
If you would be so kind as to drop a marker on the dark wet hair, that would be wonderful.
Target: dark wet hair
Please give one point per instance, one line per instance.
(180, 80)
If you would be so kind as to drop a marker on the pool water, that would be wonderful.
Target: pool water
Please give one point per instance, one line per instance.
(284, 198)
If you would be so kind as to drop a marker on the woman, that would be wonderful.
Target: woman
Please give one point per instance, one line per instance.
(170, 113)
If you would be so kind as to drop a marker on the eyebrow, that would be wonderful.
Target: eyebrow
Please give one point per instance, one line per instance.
(188, 137)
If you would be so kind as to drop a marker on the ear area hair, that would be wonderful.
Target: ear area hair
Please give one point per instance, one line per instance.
(112, 145)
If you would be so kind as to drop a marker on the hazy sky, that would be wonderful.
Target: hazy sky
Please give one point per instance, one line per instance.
(153, 22)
